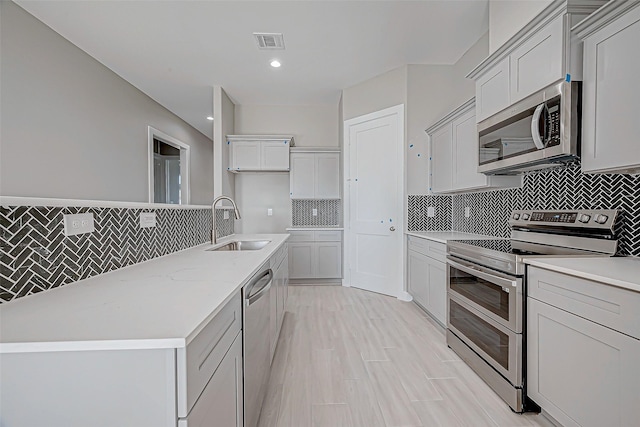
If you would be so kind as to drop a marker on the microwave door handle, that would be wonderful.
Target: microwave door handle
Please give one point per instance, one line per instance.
(535, 132)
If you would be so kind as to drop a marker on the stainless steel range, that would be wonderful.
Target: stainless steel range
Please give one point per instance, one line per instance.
(486, 288)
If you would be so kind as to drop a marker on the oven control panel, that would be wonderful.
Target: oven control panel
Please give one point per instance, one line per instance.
(595, 218)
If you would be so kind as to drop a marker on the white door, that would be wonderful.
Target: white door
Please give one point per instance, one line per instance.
(374, 199)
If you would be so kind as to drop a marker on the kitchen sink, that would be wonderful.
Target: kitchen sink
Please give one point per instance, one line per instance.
(242, 245)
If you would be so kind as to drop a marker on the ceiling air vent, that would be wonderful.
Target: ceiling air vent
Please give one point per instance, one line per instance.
(269, 40)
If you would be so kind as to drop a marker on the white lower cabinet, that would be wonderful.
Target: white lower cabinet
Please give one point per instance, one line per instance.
(580, 370)
(278, 294)
(427, 281)
(197, 385)
(315, 255)
(221, 401)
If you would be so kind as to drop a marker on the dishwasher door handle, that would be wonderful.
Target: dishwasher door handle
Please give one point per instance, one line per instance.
(258, 287)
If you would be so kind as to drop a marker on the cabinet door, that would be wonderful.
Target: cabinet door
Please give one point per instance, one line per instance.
(492, 91)
(465, 153)
(418, 272)
(327, 176)
(221, 402)
(302, 260)
(329, 260)
(275, 155)
(538, 62)
(285, 295)
(581, 373)
(441, 149)
(245, 155)
(612, 96)
(283, 275)
(273, 315)
(302, 176)
(437, 290)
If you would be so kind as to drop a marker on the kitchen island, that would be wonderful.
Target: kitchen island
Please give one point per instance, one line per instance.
(136, 346)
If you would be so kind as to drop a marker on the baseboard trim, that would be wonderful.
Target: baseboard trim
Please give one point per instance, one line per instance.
(315, 282)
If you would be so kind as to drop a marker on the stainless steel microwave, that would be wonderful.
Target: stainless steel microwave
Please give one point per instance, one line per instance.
(535, 133)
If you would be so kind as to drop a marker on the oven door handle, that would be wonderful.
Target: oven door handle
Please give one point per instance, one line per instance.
(482, 273)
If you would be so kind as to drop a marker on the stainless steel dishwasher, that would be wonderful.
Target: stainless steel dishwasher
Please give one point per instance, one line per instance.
(256, 348)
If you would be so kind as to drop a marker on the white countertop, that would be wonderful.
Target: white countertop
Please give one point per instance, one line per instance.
(621, 272)
(444, 236)
(315, 228)
(161, 303)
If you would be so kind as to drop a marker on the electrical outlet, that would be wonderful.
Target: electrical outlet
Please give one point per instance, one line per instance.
(225, 214)
(78, 224)
(314, 212)
(431, 211)
(269, 212)
(467, 212)
(147, 219)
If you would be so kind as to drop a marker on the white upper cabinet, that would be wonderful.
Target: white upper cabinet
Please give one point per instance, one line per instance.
(492, 90)
(302, 177)
(315, 175)
(611, 93)
(540, 54)
(465, 153)
(441, 174)
(455, 155)
(538, 61)
(254, 153)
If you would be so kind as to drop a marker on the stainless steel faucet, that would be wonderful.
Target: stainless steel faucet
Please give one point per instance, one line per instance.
(236, 212)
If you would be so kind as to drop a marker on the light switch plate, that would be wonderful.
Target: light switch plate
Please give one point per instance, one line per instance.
(269, 212)
(225, 214)
(431, 211)
(78, 224)
(147, 219)
(315, 212)
(467, 212)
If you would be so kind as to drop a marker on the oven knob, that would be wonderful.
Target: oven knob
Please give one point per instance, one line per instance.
(601, 219)
(584, 218)
(516, 216)
(525, 217)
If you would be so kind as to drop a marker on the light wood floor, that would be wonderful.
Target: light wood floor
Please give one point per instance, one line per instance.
(347, 357)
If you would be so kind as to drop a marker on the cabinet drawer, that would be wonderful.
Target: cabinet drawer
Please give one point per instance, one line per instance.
(197, 362)
(328, 236)
(418, 244)
(606, 305)
(435, 250)
(301, 236)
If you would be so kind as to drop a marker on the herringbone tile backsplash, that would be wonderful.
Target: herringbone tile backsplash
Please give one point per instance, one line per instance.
(559, 188)
(36, 255)
(329, 213)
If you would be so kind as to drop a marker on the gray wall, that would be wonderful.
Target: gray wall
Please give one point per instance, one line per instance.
(310, 125)
(72, 128)
(432, 92)
(384, 91)
(507, 17)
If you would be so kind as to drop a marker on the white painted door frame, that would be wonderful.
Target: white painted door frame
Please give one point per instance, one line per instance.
(400, 224)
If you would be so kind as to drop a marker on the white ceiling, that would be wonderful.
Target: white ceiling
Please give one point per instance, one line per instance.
(175, 51)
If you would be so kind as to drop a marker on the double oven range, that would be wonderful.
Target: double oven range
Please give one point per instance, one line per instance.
(486, 290)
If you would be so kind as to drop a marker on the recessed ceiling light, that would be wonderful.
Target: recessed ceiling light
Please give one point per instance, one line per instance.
(209, 118)
(275, 63)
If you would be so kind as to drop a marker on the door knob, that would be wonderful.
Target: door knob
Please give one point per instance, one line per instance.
(392, 228)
